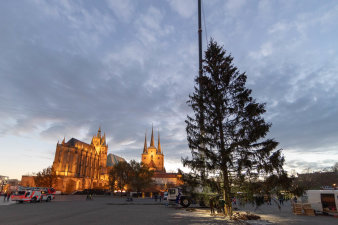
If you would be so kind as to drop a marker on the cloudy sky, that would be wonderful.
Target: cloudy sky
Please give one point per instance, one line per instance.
(68, 67)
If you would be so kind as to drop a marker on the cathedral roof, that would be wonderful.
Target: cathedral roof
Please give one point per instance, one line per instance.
(159, 150)
(145, 144)
(114, 159)
(152, 143)
(73, 141)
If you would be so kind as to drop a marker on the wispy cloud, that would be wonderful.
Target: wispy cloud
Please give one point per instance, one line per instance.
(68, 67)
(185, 9)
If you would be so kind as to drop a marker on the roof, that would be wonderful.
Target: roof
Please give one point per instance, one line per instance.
(114, 159)
(73, 141)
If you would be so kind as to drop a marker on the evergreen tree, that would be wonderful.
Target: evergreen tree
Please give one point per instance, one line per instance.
(226, 133)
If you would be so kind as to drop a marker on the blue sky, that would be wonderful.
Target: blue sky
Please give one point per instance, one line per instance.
(68, 67)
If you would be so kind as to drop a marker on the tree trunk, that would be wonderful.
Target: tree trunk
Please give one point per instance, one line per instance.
(226, 183)
(226, 195)
(120, 188)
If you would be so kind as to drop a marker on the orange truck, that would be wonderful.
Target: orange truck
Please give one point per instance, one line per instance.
(33, 194)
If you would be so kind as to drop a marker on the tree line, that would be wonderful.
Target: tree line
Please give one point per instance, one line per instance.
(132, 176)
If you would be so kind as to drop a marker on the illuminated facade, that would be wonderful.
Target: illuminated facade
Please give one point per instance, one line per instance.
(153, 157)
(79, 165)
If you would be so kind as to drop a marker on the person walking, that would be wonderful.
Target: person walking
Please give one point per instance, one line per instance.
(234, 200)
(295, 199)
(269, 200)
(281, 200)
(221, 205)
(5, 195)
(211, 203)
(8, 196)
(178, 198)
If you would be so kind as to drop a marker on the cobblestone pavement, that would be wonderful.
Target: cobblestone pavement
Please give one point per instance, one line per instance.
(2, 202)
(108, 210)
(272, 214)
(76, 210)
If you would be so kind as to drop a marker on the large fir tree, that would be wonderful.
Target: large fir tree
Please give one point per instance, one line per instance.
(226, 133)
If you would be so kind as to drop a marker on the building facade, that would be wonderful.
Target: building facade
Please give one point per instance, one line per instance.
(80, 166)
(153, 157)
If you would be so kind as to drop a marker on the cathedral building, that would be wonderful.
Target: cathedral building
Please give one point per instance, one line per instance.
(79, 165)
(154, 158)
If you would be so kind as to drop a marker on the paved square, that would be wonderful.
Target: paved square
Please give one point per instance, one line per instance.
(104, 210)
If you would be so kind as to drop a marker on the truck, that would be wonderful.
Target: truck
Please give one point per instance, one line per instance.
(184, 199)
(33, 194)
(324, 201)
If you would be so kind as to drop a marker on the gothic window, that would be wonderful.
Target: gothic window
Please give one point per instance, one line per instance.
(60, 155)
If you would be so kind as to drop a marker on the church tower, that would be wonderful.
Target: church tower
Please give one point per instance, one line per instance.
(153, 157)
(101, 148)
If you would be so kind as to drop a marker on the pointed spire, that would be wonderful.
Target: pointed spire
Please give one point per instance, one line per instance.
(145, 143)
(104, 138)
(152, 143)
(99, 133)
(159, 144)
(64, 140)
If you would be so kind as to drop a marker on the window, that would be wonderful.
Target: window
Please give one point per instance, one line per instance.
(20, 193)
(172, 191)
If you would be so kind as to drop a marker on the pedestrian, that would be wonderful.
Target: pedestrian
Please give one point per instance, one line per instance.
(211, 204)
(281, 200)
(155, 197)
(5, 195)
(295, 199)
(8, 196)
(269, 200)
(234, 200)
(178, 197)
(160, 198)
(221, 205)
